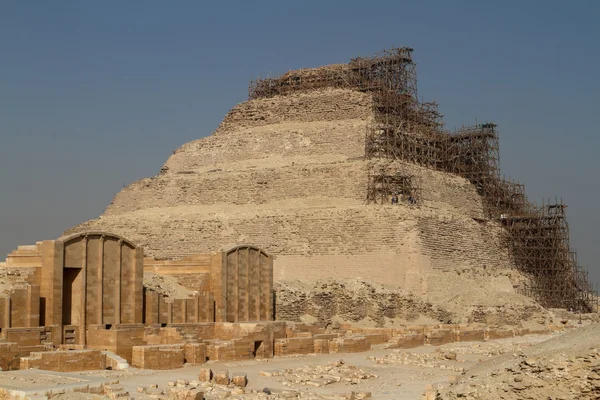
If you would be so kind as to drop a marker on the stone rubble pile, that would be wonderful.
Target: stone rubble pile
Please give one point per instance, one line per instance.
(321, 375)
(352, 300)
(560, 377)
(223, 385)
(487, 349)
(438, 359)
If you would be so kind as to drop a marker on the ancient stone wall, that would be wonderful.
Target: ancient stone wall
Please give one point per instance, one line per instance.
(332, 122)
(158, 357)
(323, 105)
(313, 243)
(344, 180)
(65, 361)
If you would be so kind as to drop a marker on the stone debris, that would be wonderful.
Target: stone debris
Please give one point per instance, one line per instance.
(566, 367)
(437, 359)
(211, 390)
(239, 379)
(352, 300)
(534, 378)
(185, 394)
(115, 391)
(321, 375)
(222, 377)
(205, 375)
(487, 349)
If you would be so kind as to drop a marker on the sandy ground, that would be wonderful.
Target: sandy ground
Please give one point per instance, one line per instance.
(401, 374)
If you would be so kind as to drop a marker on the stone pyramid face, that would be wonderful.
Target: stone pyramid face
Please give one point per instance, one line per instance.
(288, 174)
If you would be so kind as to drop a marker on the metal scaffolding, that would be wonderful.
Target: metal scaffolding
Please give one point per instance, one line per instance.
(384, 184)
(411, 131)
(301, 80)
(539, 242)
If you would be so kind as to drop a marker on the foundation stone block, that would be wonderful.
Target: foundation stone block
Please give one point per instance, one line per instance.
(321, 346)
(185, 394)
(157, 357)
(195, 353)
(439, 337)
(240, 379)
(470, 335)
(222, 377)
(350, 345)
(205, 375)
(408, 341)
(297, 345)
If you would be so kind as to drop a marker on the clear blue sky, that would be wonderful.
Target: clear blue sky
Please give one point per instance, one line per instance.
(94, 95)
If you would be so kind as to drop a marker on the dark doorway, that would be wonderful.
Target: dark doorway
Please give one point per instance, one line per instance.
(258, 349)
(71, 296)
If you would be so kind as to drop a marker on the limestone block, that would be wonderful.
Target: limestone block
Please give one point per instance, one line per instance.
(492, 334)
(450, 355)
(409, 340)
(349, 345)
(195, 353)
(154, 392)
(157, 357)
(298, 345)
(185, 394)
(321, 346)
(470, 335)
(205, 375)
(240, 379)
(222, 377)
(439, 337)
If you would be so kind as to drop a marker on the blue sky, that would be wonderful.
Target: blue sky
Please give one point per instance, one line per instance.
(96, 95)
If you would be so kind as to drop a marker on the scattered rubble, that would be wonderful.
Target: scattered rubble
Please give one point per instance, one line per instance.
(321, 375)
(566, 367)
(438, 359)
(223, 385)
(354, 300)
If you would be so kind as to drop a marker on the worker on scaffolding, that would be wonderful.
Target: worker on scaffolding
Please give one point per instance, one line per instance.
(394, 198)
(411, 199)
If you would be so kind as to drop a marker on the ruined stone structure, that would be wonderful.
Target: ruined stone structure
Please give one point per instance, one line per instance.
(87, 290)
(239, 282)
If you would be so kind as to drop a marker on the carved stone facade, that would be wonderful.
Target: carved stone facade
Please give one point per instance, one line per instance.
(86, 291)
